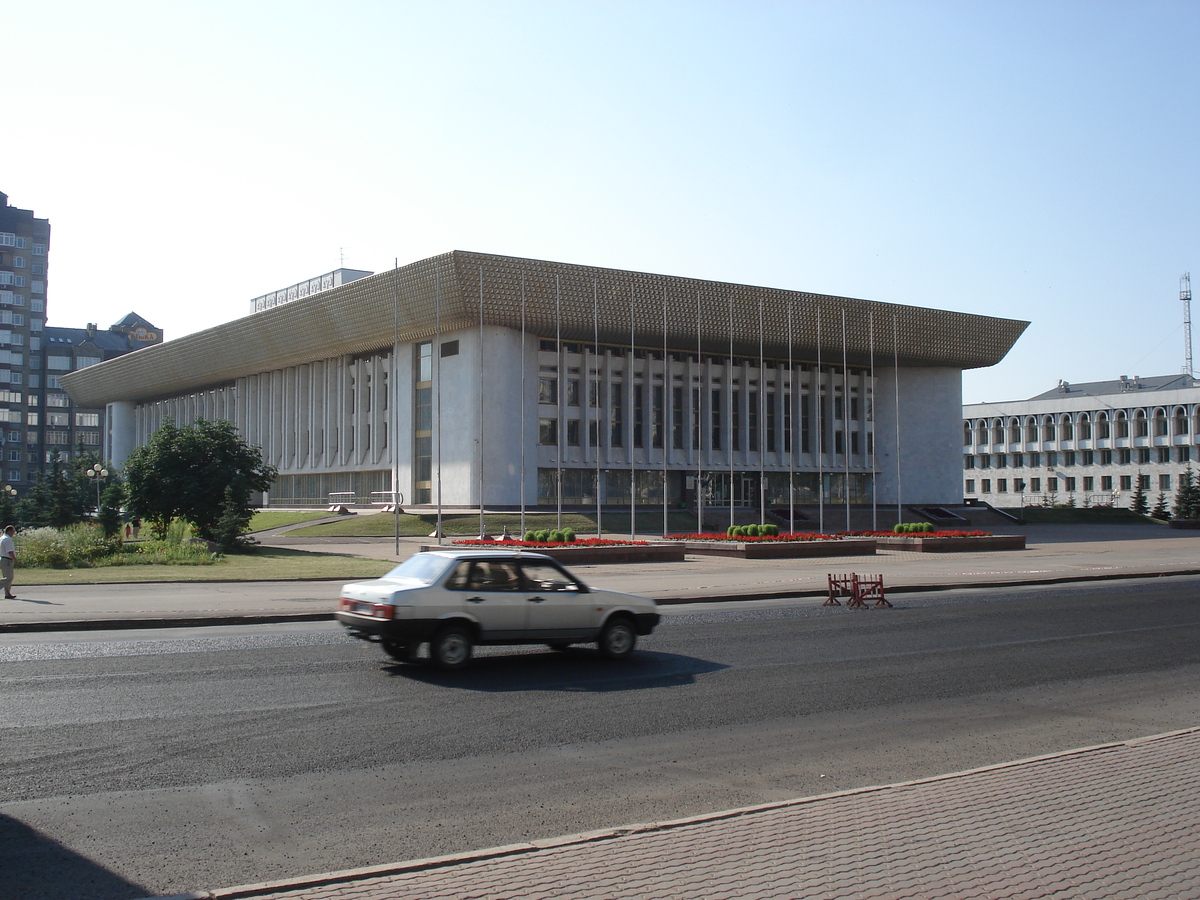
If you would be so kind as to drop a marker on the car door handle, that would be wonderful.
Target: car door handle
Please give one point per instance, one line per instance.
(537, 599)
(475, 599)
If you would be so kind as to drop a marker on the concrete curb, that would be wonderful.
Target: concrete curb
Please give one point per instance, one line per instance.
(799, 594)
(345, 876)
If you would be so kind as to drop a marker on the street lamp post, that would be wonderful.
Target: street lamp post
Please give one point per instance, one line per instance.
(97, 473)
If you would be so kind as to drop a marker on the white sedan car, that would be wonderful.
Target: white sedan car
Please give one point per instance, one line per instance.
(455, 599)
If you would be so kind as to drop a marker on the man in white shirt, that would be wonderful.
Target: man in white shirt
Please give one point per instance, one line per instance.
(8, 559)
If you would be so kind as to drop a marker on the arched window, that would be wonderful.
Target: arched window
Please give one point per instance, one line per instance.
(1141, 427)
(997, 432)
(1048, 428)
(1160, 423)
(1030, 429)
(1181, 420)
(1085, 427)
(1122, 424)
(981, 433)
(1014, 431)
(1066, 430)
(1102, 426)
(966, 434)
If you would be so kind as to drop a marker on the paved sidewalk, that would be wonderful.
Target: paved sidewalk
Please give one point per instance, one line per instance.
(1054, 554)
(1115, 821)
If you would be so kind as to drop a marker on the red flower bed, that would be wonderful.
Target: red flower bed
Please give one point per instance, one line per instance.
(578, 542)
(747, 539)
(928, 534)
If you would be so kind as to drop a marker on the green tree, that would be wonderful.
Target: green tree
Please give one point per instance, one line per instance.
(185, 473)
(53, 501)
(111, 502)
(1139, 503)
(1187, 496)
(1160, 510)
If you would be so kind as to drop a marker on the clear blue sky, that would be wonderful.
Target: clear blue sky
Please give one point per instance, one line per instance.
(1033, 160)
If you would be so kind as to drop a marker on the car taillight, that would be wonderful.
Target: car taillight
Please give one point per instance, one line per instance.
(383, 611)
(346, 605)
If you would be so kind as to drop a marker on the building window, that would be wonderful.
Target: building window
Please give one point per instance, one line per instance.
(1052, 485)
(1164, 482)
(1124, 456)
(1019, 485)
(1106, 457)
(1185, 453)
(548, 391)
(1035, 485)
(1127, 482)
(1144, 482)
(449, 348)
(987, 485)
(639, 417)
(1068, 457)
(616, 412)
(37, 287)
(60, 400)
(39, 249)
(572, 392)
(1001, 460)
(1052, 458)
(89, 438)
(1035, 460)
(968, 461)
(1089, 483)
(572, 432)
(87, 420)
(658, 414)
(58, 437)
(1002, 486)
(1070, 484)
(1106, 482)
(970, 485)
(1143, 456)
(82, 362)
(1088, 457)
(715, 417)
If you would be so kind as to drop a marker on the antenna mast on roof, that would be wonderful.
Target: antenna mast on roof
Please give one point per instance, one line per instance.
(1185, 295)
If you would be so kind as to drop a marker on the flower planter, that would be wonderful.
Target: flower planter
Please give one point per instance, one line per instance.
(783, 549)
(568, 554)
(917, 544)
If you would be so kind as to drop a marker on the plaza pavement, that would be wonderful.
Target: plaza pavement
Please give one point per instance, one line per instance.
(1115, 821)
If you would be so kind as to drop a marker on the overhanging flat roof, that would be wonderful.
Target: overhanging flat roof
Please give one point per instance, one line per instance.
(444, 291)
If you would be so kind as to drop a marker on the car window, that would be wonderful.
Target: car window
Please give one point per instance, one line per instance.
(458, 581)
(423, 567)
(493, 575)
(545, 577)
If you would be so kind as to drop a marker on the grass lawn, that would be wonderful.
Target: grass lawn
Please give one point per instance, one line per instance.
(1036, 515)
(266, 519)
(384, 524)
(267, 564)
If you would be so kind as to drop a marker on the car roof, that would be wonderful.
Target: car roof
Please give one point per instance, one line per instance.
(486, 554)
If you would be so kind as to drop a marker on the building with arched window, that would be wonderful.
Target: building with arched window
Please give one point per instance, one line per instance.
(1097, 443)
(475, 379)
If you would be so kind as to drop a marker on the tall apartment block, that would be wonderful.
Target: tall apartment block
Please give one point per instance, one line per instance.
(38, 421)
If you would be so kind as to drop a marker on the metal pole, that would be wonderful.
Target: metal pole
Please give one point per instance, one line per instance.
(561, 382)
(437, 362)
(846, 419)
(896, 363)
(666, 443)
(482, 410)
(820, 408)
(870, 419)
(793, 393)
(395, 400)
(588, 369)
(524, 375)
(732, 435)
(632, 420)
(762, 420)
(699, 426)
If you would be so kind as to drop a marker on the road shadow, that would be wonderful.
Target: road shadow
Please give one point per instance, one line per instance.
(576, 670)
(36, 867)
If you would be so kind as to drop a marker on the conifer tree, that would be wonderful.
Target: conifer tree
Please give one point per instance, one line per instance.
(1139, 504)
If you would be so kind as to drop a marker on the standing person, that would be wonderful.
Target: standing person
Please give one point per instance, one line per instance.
(8, 559)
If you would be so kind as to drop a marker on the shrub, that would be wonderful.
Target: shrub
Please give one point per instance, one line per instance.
(556, 537)
(768, 530)
(542, 536)
(898, 528)
(530, 535)
(75, 546)
(731, 531)
(569, 535)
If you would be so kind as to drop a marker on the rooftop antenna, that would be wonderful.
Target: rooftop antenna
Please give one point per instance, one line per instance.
(341, 257)
(1185, 295)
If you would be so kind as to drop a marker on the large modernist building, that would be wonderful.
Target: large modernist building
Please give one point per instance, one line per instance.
(1091, 444)
(473, 379)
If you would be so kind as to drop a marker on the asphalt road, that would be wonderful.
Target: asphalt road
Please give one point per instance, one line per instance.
(139, 763)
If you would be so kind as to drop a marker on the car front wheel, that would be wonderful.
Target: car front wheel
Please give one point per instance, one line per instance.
(617, 639)
(450, 648)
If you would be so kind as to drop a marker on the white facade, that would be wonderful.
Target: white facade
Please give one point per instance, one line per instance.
(475, 379)
(1091, 444)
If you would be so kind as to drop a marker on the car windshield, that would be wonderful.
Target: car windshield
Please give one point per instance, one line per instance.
(424, 567)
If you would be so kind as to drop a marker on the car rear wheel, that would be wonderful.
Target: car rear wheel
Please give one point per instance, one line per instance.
(400, 652)
(450, 648)
(617, 639)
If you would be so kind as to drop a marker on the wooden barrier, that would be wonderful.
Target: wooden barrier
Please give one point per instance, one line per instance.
(857, 589)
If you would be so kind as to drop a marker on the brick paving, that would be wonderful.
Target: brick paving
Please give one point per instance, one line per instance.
(1117, 821)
